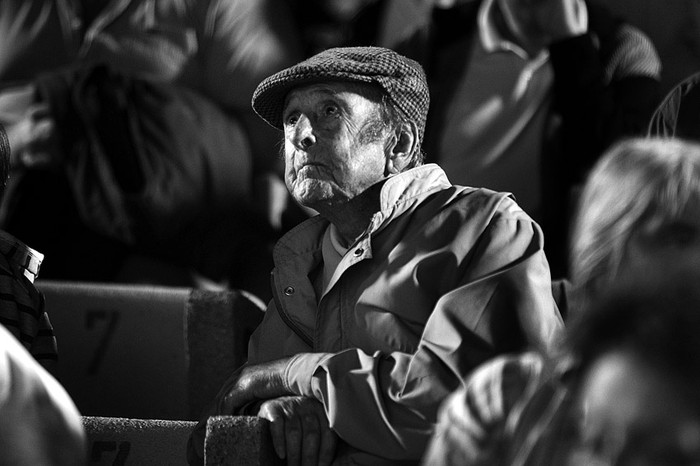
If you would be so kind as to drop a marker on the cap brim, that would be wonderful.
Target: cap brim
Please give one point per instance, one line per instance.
(270, 96)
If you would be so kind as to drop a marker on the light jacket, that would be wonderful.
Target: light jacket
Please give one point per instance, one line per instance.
(443, 278)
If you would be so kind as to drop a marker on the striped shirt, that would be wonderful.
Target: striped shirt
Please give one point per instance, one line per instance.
(21, 304)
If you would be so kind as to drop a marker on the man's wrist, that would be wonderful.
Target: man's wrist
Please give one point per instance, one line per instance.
(300, 372)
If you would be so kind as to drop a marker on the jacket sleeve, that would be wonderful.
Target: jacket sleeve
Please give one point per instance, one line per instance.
(387, 404)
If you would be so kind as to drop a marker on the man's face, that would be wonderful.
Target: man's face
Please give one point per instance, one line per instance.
(334, 143)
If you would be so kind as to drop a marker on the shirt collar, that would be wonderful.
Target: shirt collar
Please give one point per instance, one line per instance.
(491, 38)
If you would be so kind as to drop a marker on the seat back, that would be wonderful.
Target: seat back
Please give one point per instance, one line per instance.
(239, 441)
(146, 352)
(219, 325)
(138, 442)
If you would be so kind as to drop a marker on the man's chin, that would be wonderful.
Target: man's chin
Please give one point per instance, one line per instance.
(311, 200)
(310, 192)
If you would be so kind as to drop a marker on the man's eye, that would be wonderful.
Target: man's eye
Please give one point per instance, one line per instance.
(330, 110)
(291, 120)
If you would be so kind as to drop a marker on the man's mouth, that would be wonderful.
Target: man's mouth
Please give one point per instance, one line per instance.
(308, 168)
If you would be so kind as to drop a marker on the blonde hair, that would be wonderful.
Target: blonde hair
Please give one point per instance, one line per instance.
(635, 180)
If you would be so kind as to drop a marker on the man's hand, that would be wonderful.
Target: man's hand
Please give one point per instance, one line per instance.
(251, 383)
(300, 430)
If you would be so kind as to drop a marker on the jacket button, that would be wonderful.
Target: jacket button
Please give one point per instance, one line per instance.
(358, 252)
(289, 291)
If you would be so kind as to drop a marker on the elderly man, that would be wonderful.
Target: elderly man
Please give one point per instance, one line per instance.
(401, 286)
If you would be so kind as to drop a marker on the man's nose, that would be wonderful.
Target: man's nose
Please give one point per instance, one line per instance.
(304, 136)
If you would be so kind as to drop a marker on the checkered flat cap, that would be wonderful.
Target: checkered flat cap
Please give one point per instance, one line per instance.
(401, 78)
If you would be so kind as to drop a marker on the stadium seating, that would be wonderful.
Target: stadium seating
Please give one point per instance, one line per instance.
(147, 352)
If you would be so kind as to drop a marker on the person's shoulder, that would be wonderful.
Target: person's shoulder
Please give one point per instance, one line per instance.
(470, 194)
(626, 51)
(490, 203)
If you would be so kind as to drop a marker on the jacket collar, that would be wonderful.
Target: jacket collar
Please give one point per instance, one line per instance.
(398, 194)
(402, 191)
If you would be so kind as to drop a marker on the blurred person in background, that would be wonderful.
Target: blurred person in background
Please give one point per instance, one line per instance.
(528, 94)
(138, 138)
(638, 224)
(325, 24)
(678, 114)
(21, 304)
(39, 423)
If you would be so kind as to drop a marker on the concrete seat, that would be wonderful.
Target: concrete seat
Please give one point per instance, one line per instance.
(147, 352)
(239, 441)
(120, 441)
(230, 441)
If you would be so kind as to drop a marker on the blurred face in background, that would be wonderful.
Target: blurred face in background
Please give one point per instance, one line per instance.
(634, 415)
(663, 243)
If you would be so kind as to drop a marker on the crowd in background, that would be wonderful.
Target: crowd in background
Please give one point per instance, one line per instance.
(134, 131)
(133, 155)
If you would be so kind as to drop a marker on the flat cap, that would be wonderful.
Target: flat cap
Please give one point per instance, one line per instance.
(401, 78)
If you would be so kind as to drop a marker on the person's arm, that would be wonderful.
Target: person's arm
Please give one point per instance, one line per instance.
(39, 424)
(386, 404)
(606, 86)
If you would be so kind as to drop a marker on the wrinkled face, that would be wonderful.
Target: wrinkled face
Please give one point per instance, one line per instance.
(634, 416)
(334, 144)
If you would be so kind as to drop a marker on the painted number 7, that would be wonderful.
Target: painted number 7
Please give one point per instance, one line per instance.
(109, 319)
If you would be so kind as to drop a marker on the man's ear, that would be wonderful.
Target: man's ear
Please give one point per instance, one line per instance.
(402, 145)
